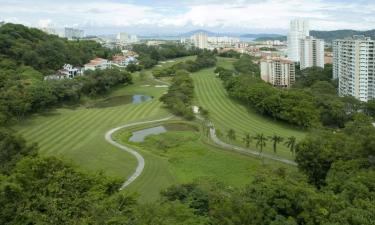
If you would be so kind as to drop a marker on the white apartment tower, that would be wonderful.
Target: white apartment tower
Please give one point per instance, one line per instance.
(354, 67)
(200, 40)
(279, 72)
(299, 29)
(311, 52)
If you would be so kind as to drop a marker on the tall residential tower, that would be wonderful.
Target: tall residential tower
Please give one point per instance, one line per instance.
(279, 72)
(299, 29)
(200, 40)
(311, 52)
(354, 67)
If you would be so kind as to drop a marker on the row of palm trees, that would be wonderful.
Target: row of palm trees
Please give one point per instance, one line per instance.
(261, 140)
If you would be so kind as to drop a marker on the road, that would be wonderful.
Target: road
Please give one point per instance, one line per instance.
(242, 150)
(140, 160)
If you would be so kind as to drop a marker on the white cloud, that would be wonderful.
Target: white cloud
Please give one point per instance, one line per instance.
(237, 15)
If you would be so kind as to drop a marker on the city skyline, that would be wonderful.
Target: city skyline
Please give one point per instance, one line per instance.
(168, 17)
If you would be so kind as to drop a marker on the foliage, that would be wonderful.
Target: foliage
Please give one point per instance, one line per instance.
(12, 149)
(246, 65)
(45, 53)
(317, 152)
(150, 55)
(293, 106)
(180, 94)
(23, 90)
(230, 54)
(260, 142)
(275, 139)
(205, 59)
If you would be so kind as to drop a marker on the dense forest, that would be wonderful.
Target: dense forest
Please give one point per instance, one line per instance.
(20, 45)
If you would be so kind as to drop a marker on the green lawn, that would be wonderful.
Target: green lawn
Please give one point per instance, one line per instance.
(183, 156)
(77, 135)
(227, 113)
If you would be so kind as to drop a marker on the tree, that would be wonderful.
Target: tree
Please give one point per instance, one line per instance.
(218, 133)
(261, 142)
(291, 144)
(275, 140)
(247, 139)
(231, 134)
(370, 107)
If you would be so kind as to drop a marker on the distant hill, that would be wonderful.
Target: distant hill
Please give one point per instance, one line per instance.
(191, 33)
(268, 38)
(328, 36)
(261, 36)
(340, 34)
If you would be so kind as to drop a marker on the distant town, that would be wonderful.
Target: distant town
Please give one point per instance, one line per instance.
(351, 56)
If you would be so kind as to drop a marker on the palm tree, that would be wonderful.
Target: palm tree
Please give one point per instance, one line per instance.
(261, 142)
(276, 140)
(247, 139)
(231, 134)
(291, 143)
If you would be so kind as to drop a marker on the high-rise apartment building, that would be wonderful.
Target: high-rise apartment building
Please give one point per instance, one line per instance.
(299, 29)
(126, 38)
(279, 72)
(72, 33)
(311, 52)
(354, 67)
(200, 40)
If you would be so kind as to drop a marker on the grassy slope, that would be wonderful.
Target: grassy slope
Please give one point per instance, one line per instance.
(188, 159)
(227, 113)
(78, 134)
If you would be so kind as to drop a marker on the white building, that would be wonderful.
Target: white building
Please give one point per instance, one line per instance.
(97, 63)
(311, 52)
(200, 40)
(67, 72)
(299, 29)
(223, 40)
(279, 72)
(354, 67)
(72, 33)
(126, 38)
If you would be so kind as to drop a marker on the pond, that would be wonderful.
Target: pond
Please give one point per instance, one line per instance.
(140, 135)
(140, 98)
(121, 100)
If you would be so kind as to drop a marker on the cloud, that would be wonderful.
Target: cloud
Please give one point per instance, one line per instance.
(218, 14)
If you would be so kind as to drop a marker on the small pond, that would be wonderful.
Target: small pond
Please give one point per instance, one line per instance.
(121, 100)
(140, 98)
(140, 135)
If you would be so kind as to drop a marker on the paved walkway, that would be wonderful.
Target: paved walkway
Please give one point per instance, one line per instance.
(242, 150)
(140, 159)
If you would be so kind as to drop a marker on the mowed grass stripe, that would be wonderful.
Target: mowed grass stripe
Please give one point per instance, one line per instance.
(219, 118)
(227, 113)
(66, 130)
(240, 112)
(80, 139)
(100, 121)
(64, 121)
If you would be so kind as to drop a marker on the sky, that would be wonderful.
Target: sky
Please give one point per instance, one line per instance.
(178, 16)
